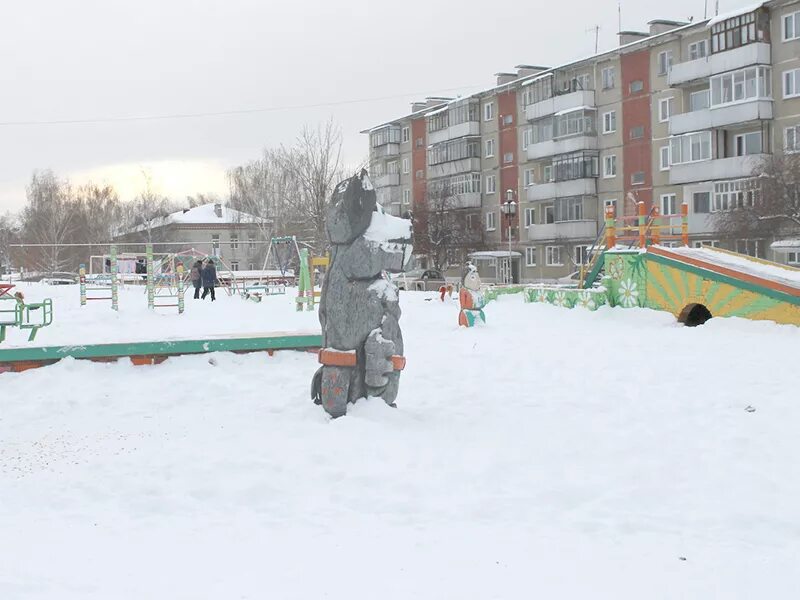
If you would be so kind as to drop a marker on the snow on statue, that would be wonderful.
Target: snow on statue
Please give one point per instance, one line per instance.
(362, 352)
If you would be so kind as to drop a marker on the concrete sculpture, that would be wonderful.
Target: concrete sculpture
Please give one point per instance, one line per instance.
(362, 353)
(470, 298)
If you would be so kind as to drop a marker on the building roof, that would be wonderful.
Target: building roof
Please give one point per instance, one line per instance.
(205, 214)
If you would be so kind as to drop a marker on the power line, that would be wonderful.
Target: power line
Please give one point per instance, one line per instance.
(223, 113)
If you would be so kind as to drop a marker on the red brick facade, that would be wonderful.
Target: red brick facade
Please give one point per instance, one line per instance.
(509, 172)
(637, 151)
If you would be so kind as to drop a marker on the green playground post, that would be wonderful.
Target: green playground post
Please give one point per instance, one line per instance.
(82, 280)
(305, 294)
(179, 269)
(150, 290)
(114, 282)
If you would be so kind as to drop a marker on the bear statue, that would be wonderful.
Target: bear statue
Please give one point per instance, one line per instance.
(362, 346)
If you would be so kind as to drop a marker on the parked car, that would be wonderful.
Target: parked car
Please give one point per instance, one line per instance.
(404, 280)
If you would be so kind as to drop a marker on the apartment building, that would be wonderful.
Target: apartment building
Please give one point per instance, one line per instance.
(683, 112)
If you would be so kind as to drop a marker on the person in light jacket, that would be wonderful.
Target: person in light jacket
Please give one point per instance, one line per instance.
(209, 277)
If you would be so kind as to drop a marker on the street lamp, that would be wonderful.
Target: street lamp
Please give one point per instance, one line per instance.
(509, 209)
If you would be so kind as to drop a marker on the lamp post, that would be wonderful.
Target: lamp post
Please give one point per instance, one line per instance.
(509, 209)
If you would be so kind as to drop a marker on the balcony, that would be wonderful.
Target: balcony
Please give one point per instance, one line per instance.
(573, 230)
(387, 196)
(454, 131)
(385, 151)
(730, 114)
(562, 146)
(735, 167)
(454, 167)
(559, 189)
(721, 62)
(385, 180)
(551, 106)
(468, 200)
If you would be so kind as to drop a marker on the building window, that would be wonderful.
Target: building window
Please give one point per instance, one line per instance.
(699, 100)
(739, 31)
(526, 138)
(581, 255)
(420, 174)
(491, 184)
(749, 247)
(574, 122)
(406, 166)
(406, 134)
(553, 256)
(392, 168)
(215, 244)
(701, 202)
(234, 242)
(791, 83)
(739, 193)
(473, 222)
(530, 256)
(636, 86)
(577, 165)
(663, 156)
(793, 258)
(637, 178)
(385, 135)
(508, 119)
(610, 166)
(637, 132)
(791, 26)
(491, 221)
(664, 62)
(467, 183)
(691, 147)
(508, 157)
(530, 217)
(569, 209)
(234, 266)
(549, 215)
(711, 243)
(608, 78)
(251, 242)
(457, 149)
(547, 174)
(406, 196)
(610, 203)
(742, 85)
(748, 143)
(791, 139)
(664, 109)
(527, 177)
(420, 142)
(251, 266)
(488, 111)
(698, 49)
(669, 204)
(489, 147)
(610, 122)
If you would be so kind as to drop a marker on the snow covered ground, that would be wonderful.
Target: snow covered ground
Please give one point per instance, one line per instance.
(551, 454)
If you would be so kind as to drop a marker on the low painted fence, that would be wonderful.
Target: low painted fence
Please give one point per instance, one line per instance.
(590, 299)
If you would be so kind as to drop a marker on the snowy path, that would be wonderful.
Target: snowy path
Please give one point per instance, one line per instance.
(551, 454)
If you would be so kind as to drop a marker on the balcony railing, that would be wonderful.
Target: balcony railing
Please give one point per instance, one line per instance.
(559, 189)
(709, 118)
(562, 146)
(734, 167)
(454, 131)
(386, 150)
(385, 180)
(585, 229)
(454, 167)
(730, 60)
(559, 103)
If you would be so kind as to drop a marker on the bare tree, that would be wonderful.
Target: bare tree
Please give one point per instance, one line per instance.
(144, 218)
(770, 207)
(9, 231)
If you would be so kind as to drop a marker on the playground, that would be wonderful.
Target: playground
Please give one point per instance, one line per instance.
(603, 453)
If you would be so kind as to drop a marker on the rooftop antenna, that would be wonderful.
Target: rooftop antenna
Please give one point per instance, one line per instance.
(619, 14)
(596, 30)
(716, 11)
(705, 9)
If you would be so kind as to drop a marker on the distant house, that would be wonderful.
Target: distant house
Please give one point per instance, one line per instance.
(235, 237)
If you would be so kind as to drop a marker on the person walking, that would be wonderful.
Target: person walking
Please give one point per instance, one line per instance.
(196, 276)
(209, 277)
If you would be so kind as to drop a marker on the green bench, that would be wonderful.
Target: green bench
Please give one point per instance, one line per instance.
(33, 316)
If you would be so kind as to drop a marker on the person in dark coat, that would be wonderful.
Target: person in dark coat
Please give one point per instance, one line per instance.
(196, 276)
(209, 277)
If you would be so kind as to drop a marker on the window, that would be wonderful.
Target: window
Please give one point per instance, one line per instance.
(491, 184)
(582, 82)
(527, 177)
(637, 178)
(457, 149)
(547, 174)
(610, 166)
(698, 100)
(748, 143)
(420, 142)
(251, 266)
(489, 147)
(542, 130)
(466, 183)
(637, 132)
(610, 203)
(581, 255)
(234, 242)
(553, 256)
(793, 258)
(664, 62)
(406, 165)
(385, 135)
(701, 202)
(691, 147)
(698, 50)
(740, 30)
(739, 193)
(701, 243)
(577, 165)
(575, 122)
(526, 137)
(251, 242)
(791, 139)
(636, 86)
(508, 157)
(419, 174)
(549, 214)
(530, 256)
(406, 196)
(508, 119)
(234, 266)
(669, 204)
(215, 241)
(473, 222)
(741, 85)
(791, 26)
(488, 111)
(663, 156)
(530, 217)
(610, 121)
(392, 167)
(491, 221)
(791, 83)
(406, 134)
(608, 78)
(664, 109)
(569, 209)
(749, 247)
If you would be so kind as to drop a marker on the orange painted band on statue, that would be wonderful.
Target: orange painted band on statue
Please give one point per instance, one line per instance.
(340, 358)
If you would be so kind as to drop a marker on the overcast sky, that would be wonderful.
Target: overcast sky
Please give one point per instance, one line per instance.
(94, 59)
